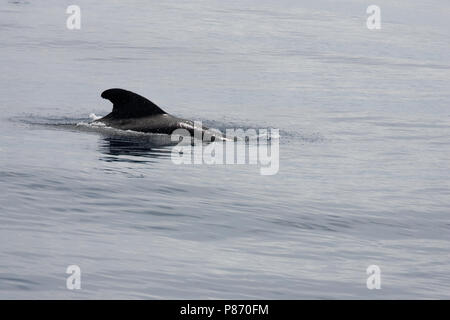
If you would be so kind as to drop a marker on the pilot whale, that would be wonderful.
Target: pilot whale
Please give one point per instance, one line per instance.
(134, 112)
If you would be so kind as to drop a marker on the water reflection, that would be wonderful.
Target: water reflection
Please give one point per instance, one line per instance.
(135, 149)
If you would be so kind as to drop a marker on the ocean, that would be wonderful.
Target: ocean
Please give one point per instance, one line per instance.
(364, 150)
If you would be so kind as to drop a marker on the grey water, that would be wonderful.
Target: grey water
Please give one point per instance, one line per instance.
(364, 150)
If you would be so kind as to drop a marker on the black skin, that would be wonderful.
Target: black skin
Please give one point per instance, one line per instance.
(134, 112)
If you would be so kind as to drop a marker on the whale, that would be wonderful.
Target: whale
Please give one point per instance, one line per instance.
(132, 111)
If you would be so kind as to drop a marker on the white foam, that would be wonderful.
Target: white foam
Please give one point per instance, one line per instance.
(91, 124)
(94, 117)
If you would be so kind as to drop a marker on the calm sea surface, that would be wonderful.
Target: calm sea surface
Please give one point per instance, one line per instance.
(364, 174)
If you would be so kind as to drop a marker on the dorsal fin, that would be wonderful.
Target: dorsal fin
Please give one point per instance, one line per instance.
(127, 104)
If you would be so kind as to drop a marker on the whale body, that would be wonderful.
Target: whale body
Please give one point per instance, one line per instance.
(134, 112)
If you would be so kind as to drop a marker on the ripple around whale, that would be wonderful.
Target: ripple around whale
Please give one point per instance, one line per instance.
(86, 124)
